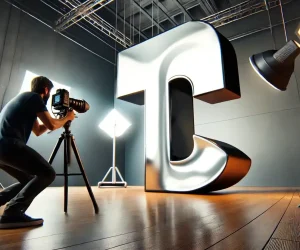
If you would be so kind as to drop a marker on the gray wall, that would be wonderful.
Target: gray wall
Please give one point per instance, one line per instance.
(27, 44)
(264, 123)
(133, 142)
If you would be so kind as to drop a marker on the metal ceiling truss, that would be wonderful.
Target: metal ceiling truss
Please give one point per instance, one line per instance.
(79, 12)
(240, 11)
(86, 11)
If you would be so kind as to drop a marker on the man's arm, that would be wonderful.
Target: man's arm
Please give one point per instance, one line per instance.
(52, 123)
(38, 129)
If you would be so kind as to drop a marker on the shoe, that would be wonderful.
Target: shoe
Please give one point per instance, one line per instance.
(18, 221)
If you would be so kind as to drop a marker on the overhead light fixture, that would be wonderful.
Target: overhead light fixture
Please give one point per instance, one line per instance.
(276, 66)
(114, 124)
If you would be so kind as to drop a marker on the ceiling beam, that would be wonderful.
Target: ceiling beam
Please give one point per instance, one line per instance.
(204, 8)
(164, 10)
(189, 5)
(148, 16)
(176, 13)
(183, 9)
(213, 5)
(126, 22)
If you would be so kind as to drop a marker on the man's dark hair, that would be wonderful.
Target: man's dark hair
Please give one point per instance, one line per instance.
(39, 83)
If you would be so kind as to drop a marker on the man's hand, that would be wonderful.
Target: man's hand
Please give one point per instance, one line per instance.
(52, 123)
(38, 129)
(70, 115)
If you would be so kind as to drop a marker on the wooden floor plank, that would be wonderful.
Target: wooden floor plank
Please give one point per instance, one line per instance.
(289, 227)
(256, 234)
(159, 237)
(91, 233)
(136, 217)
(205, 230)
(110, 204)
(276, 244)
(202, 236)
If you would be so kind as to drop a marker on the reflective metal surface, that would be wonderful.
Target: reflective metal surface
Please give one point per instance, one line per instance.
(198, 54)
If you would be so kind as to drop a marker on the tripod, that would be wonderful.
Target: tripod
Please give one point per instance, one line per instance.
(69, 141)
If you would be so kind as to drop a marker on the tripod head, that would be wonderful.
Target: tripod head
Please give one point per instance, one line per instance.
(67, 127)
(68, 123)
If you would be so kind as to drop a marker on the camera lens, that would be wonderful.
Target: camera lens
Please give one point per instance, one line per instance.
(79, 106)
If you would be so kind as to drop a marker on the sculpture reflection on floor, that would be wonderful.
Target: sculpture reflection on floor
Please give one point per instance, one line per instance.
(164, 73)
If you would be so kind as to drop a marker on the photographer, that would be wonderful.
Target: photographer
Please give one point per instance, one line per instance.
(17, 119)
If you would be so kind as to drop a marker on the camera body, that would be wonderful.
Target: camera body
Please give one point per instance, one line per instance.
(61, 99)
(63, 103)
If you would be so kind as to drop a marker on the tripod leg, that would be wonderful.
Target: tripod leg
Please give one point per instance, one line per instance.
(68, 149)
(55, 149)
(84, 175)
(66, 175)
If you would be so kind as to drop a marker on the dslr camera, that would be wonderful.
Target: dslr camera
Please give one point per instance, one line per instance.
(63, 103)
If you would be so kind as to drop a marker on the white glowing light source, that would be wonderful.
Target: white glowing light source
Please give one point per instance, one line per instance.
(114, 124)
(298, 31)
(26, 86)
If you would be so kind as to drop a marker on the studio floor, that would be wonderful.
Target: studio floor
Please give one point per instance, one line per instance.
(236, 218)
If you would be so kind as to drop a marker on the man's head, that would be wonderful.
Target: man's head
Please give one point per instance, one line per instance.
(42, 85)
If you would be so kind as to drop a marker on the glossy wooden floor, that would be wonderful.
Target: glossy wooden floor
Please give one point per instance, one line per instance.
(237, 218)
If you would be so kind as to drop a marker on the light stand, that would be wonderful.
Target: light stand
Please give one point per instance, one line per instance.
(114, 169)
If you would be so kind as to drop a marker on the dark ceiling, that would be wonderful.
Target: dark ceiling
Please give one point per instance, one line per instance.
(132, 21)
(139, 20)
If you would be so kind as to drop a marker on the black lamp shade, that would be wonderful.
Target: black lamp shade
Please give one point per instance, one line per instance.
(276, 67)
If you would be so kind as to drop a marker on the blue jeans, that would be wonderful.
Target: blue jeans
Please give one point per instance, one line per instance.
(32, 171)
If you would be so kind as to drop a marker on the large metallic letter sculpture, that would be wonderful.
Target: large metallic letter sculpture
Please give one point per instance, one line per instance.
(195, 53)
